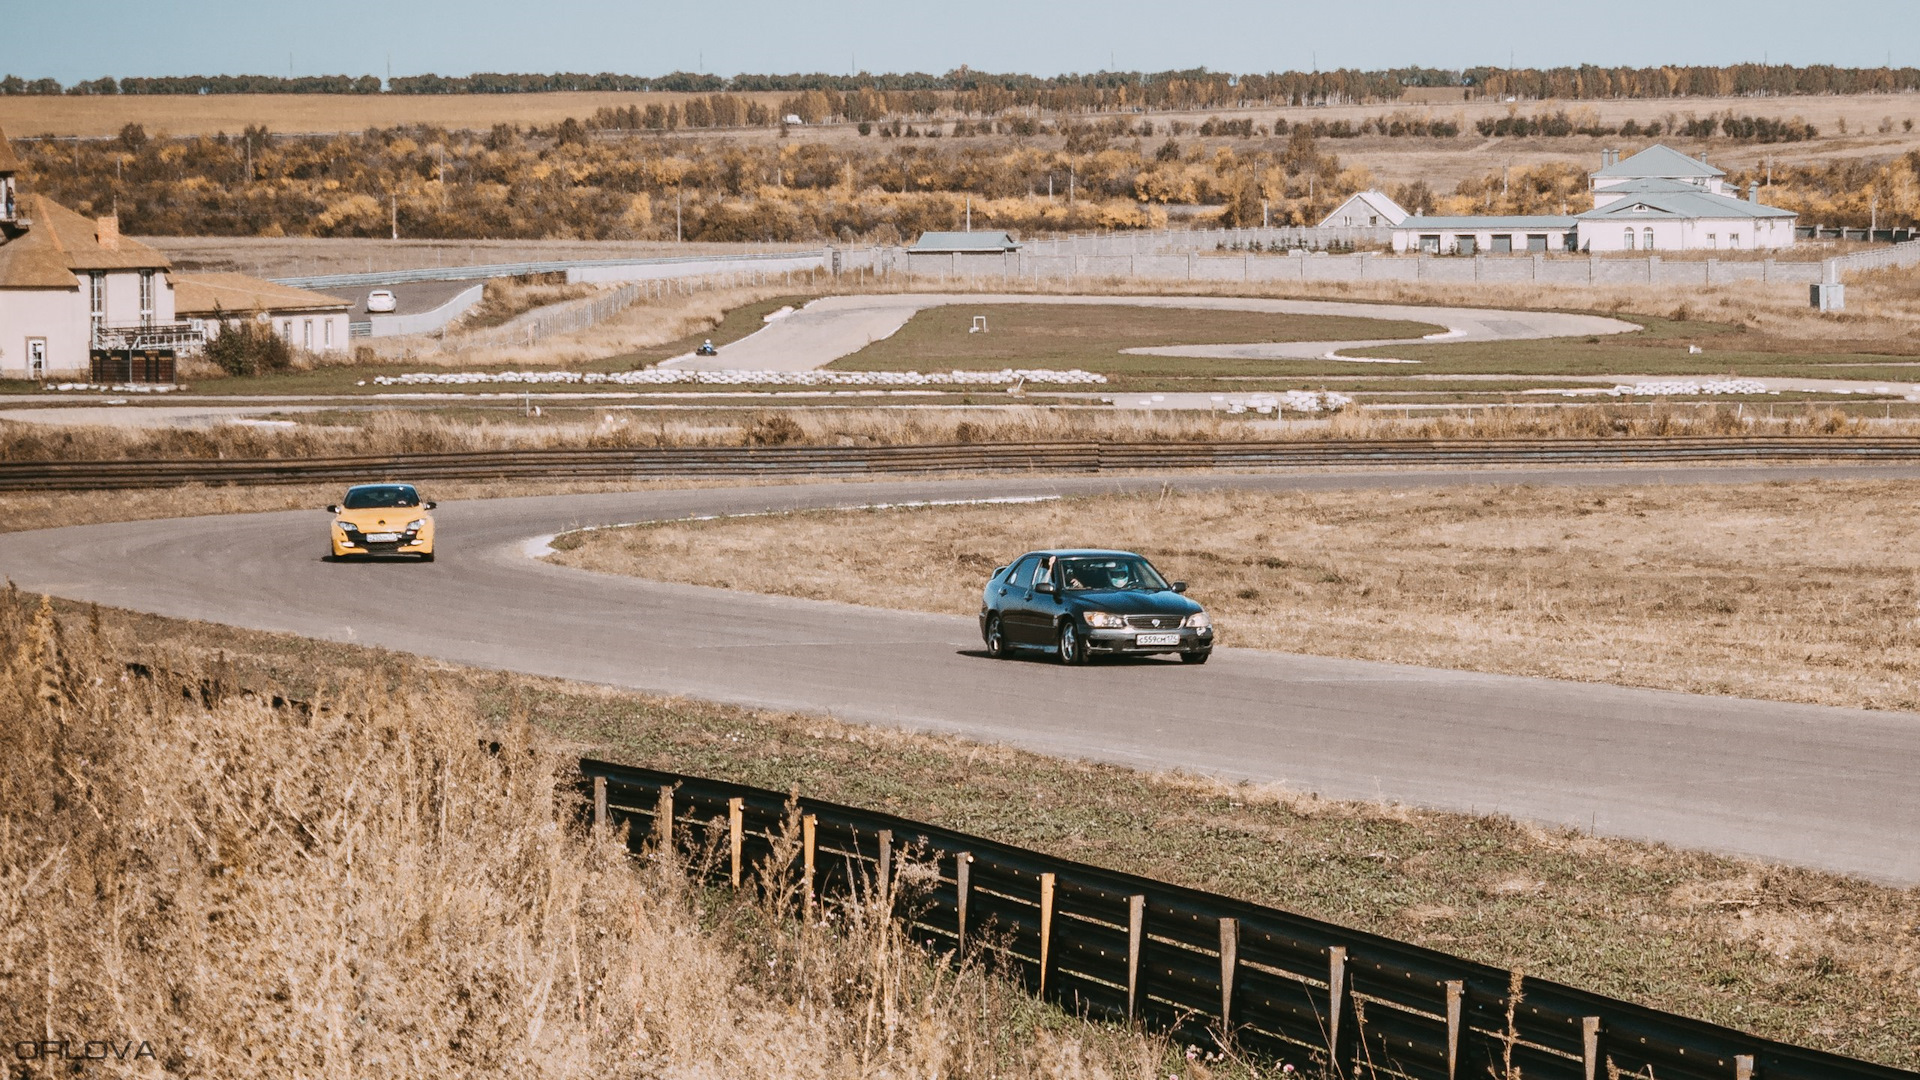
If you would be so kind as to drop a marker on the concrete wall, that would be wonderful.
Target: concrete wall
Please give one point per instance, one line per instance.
(57, 315)
(424, 322)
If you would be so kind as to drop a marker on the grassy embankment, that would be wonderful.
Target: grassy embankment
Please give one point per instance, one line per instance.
(1782, 952)
(239, 889)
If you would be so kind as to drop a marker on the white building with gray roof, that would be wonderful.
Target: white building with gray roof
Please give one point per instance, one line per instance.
(1656, 200)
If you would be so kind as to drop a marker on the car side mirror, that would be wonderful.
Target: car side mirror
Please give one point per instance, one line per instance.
(1179, 586)
(1043, 586)
(333, 509)
(430, 505)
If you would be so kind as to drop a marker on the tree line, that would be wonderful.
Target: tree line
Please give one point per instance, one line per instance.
(981, 93)
(511, 183)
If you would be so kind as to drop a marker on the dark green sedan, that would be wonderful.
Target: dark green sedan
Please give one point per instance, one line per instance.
(1079, 603)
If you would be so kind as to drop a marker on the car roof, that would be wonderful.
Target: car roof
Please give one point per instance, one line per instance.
(364, 487)
(1092, 552)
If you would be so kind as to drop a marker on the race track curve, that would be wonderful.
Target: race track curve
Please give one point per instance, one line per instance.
(1823, 787)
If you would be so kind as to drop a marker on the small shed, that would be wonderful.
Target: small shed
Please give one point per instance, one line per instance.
(1365, 210)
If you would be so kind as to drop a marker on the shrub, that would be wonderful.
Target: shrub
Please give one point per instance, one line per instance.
(250, 347)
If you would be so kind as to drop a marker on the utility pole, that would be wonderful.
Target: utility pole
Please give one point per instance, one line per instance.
(678, 236)
(969, 213)
(393, 213)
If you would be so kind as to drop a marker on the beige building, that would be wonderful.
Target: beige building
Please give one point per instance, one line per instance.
(309, 321)
(80, 301)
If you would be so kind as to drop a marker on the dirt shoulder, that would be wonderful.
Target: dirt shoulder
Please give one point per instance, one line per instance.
(1783, 591)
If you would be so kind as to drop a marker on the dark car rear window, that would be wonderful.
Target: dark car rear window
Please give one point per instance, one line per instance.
(381, 496)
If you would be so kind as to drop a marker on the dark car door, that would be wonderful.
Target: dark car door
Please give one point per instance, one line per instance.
(1030, 615)
(1007, 597)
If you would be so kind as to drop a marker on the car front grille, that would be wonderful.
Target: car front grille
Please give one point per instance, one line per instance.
(1154, 622)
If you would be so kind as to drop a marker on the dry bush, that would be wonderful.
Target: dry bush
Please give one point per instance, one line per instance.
(503, 299)
(381, 884)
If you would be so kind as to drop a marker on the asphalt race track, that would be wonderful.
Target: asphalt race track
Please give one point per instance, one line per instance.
(1831, 788)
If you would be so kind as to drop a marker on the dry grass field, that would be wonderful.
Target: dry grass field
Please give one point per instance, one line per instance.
(276, 257)
(1786, 953)
(1792, 591)
(285, 892)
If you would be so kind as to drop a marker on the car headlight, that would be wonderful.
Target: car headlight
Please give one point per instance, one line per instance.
(1105, 620)
(1198, 620)
(346, 526)
(416, 524)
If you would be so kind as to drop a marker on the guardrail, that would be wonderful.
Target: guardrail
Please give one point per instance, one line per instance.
(1130, 949)
(831, 461)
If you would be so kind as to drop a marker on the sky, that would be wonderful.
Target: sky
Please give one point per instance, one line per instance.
(71, 40)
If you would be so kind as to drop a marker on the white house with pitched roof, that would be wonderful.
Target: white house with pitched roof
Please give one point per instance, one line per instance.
(1365, 210)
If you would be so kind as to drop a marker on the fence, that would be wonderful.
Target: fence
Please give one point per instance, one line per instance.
(543, 323)
(575, 269)
(1126, 948)
(827, 462)
(1899, 255)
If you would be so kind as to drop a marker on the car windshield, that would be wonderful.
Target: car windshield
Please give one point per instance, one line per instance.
(1110, 572)
(381, 496)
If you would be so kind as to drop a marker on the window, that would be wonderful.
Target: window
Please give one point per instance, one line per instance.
(306, 336)
(286, 331)
(36, 357)
(381, 496)
(1629, 246)
(146, 298)
(1713, 240)
(1373, 219)
(1022, 571)
(1430, 243)
(1733, 240)
(1648, 237)
(1042, 570)
(326, 332)
(97, 297)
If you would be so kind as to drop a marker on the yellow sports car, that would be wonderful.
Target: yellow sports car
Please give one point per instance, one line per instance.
(381, 519)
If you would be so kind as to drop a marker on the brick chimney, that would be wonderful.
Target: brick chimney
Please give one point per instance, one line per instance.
(106, 232)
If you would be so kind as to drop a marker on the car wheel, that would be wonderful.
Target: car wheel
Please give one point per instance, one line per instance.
(1196, 657)
(1072, 648)
(997, 640)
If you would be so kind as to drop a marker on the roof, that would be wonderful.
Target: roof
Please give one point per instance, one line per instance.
(965, 241)
(1377, 201)
(1693, 203)
(1099, 553)
(31, 261)
(8, 162)
(1458, 224)
(203, 294)
(1659, 161)
(76, 239)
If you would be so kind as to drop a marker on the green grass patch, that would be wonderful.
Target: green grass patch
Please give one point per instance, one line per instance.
(1092, 336)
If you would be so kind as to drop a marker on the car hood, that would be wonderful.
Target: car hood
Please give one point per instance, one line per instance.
(1134, 602)
(382, 519)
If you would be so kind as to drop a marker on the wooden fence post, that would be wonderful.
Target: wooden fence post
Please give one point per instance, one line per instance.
(1229, 965)
(1340, 1031)
(809, 823)
(663, 820)
(884, 875)
(1456, 998)
(1590, 1047)
(736, 813)
(599, 803)
(962, 873)
(1136, 938)
(1046, 929)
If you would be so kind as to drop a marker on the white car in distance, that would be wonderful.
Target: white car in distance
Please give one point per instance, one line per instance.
(381, 300)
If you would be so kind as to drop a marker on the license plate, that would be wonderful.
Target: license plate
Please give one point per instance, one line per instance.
(1157, 639)
(383, 538)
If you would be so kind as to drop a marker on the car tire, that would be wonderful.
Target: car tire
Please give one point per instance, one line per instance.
(1196, 657)
(997, 646)
(1071, 647)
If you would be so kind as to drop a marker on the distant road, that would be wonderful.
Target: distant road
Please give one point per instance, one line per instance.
(1822, 787)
